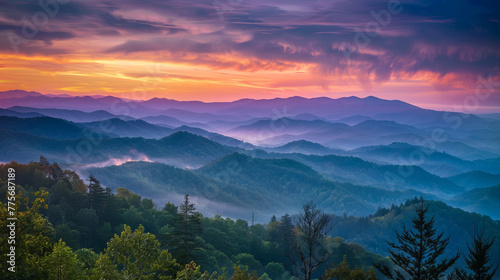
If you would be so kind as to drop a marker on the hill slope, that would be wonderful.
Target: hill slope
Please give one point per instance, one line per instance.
(180, 149)
(357, 171)
(476, 179)
(294, 183)
(372, 232)
(480, 200)
(44, 127)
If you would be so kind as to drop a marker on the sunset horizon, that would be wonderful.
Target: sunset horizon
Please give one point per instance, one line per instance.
(222, 51)
(455, 107)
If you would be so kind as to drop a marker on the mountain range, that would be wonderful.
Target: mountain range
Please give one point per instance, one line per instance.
(349, 155)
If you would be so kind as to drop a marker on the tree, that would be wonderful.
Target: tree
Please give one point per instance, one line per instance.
(343, 272)
(33, 236)
(132, 198)
(285, 230)
(134, 255)
(246, 259)
(170, 208)
(273, 219)
(43, 161)
(97, 195)
(88, 219)
(307, 250)
(86, 259)
(192, 271)
(478, 259)
(244, 274)
(419, 250)
(187, 225)
(274, 270)
(62, 263)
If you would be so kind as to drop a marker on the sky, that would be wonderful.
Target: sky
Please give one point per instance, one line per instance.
(436, 54)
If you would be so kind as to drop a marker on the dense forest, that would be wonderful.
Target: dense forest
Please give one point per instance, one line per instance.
(71, 228)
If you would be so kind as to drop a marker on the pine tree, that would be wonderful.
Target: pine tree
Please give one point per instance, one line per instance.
(478, 259)
(97, 195)
(273, 219)
(187, 226)
(417, 252)
(285, 231)
(285, 227)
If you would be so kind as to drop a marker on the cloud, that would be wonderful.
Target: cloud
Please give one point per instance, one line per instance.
(329, 38)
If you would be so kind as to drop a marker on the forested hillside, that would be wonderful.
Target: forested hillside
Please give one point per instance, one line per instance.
(77, 225)
(77, 228)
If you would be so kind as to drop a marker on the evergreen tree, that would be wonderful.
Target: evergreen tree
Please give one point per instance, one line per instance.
(187, 226)
(285, 228)
(478, 260)
(273, 219)
(97, 195)
(419, 250)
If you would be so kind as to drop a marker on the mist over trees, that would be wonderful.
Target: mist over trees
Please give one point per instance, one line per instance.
(72, 230)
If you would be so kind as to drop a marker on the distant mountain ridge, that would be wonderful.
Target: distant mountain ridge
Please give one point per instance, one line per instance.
(180, 149)
(476, 179)
(230, 183)
(322, 106)
(360, 172)
(70, 115)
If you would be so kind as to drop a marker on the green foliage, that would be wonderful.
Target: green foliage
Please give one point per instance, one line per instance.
(187, 225)
(217, 242)
(248, 261)
(62, 263)
(244, 274)
(132, 198)
(134, 255)
(170, 208)
(274, 270)
(147, 203)
(97, 195)
(33, 236)
(343, 272)
(192, 271)
(86, 260)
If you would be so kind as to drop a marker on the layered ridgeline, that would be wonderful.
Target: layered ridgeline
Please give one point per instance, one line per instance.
(398, 158)
(339, 183)
(363, 121)
(236, 185)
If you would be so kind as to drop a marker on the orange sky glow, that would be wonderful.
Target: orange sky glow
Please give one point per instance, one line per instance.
(197, 53)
